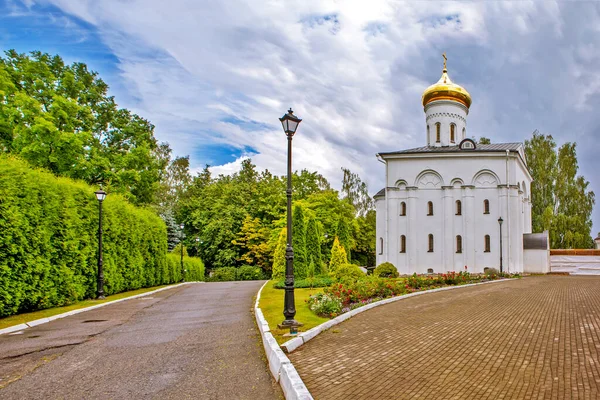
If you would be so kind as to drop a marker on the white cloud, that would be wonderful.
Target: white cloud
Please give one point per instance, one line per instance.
(354, 70)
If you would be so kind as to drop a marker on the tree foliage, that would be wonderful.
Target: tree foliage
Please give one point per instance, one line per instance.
(561, 201)
(60, 117)
(338, 257)
(313, 246)
(356, 192)
(343, 235)
(278, 271)
(299, 242)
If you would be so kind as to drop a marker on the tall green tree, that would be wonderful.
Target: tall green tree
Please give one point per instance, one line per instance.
(253, 240)
(61, 118)
(278, 270)
(364, 249)
(484, 140)
(299, 242)
(313, 245)
(561, 201)
(356, 192)
(343, 234)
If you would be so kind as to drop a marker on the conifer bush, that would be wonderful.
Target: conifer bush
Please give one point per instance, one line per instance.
(49, 243)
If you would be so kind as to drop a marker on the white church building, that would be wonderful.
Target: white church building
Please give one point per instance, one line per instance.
(445, 204)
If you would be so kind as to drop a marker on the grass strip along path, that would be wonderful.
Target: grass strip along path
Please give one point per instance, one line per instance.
(271, 304)
(50, 312)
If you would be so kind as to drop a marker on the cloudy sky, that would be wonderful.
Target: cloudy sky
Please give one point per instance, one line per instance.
(214, 75)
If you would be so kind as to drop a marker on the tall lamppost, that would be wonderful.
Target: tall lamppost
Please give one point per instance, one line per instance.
(500, 221)
(181, 243)
(290, 123)
(100, 195)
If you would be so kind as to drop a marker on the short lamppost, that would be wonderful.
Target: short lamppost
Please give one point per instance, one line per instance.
(500, 221)
(290, 124)
(181, 243)
(100, 195)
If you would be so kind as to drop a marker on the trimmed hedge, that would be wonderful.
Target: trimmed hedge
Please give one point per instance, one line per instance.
(194, 267)
(48, 242)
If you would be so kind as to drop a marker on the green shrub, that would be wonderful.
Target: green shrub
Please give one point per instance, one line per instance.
(386, 270)
(316, 282)
(347, 272)
(224, 274)
(48, 241)
(250, 273)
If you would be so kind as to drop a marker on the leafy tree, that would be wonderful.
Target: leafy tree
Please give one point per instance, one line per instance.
(343, 234)
(279, 256)
(364, 249)
(61, 118)
(561, 201)
(253, 240)
(484, 140)
(313, 245)
(299, 242)
(356, 192)
(338, 257)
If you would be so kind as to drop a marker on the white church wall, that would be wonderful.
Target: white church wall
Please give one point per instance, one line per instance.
(434, 178)
(446, 113)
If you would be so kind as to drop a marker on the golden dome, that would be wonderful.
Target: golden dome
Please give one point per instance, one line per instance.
(445, 89)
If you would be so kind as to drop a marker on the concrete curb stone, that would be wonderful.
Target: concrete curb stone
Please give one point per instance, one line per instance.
(280, 366)
(80, 310)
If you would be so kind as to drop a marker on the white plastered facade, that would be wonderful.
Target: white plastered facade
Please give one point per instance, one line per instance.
(444, 174)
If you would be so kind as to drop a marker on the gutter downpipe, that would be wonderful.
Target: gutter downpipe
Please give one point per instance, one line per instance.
(508, 231)
(386, 241)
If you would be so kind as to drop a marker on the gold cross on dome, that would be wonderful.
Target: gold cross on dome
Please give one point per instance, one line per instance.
(445, 59)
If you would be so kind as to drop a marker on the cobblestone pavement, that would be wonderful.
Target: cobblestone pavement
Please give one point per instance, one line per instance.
(533, 338)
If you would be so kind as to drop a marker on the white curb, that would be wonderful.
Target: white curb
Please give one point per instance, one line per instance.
(304, 337)
(280, 366)
(80, 310)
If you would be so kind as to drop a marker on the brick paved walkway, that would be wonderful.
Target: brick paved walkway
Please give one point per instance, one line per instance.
(534, 338)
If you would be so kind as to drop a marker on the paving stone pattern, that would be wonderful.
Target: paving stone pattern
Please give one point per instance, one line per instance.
(533, 338)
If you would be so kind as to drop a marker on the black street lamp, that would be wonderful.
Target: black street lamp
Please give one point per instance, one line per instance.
(500, 221)
(100, 195)
(290, 123)
(181, 243)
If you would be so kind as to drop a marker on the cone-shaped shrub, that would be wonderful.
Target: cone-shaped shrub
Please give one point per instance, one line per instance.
(299, 243)
(278, 271)
(338, 257)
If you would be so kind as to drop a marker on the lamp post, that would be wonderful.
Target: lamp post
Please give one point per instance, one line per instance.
(100, 195)
(500, 221)
(181, 243)
(290, 123)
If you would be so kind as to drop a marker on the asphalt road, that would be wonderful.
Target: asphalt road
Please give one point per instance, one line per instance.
(197, 341)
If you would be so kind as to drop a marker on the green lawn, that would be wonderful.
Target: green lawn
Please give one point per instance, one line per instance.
(271, 304)
(32, 316)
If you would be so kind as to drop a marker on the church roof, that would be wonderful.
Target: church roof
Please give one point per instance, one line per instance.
(483, 148)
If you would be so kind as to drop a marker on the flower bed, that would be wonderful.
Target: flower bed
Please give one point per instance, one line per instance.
(350, 294)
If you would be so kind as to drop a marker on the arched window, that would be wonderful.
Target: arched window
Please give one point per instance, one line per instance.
(464, 133)
(402, 244)
(430, 243)
(428, 137)
(380, 245)
(486, 206)
(458, 207)
(402, 209)
(438, 128)
(430, 270)
(459, 244)
(452, 128)
(430, 208)
(487, 244)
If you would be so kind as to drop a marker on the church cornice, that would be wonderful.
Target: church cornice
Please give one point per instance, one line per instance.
(445, 114)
